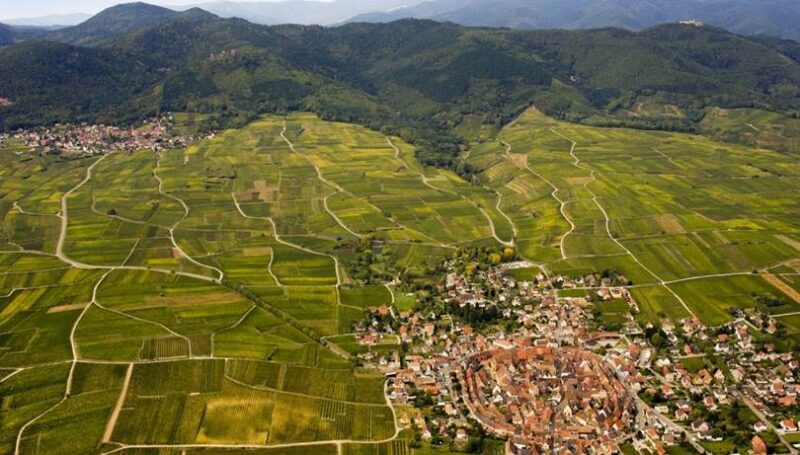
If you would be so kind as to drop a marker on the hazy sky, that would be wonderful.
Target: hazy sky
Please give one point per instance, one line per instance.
(15, 9)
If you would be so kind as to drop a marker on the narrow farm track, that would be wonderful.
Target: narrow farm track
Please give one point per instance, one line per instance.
(219, 272)
(398, 156)
(391, 293)
(269, 267)
(73, 345)
(337, 442)
(64, 216)
(231, 327)
(147, 321)
(298, 394)
(562, 204)
(397, 153)
(15, 206)
(112, 421)
(499, 204)
(427, 182)
(577, 163)
(73, 363)
(278, 239)
(12, 374)
(513, 242)
(64, 213)
(133, 250)
(322, 178)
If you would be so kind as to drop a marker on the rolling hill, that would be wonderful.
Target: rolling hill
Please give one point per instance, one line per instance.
(341, 241)
(120, 20)
(300, 11)
(420, 79)
(6, 35)
(771, 17)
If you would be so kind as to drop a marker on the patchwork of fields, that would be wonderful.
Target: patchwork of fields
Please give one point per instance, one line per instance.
(697, 226)
(175, 300)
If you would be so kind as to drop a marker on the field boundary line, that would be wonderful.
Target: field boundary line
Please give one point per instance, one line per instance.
(112, 421)
(577, 163)
(175, 225)
(299, 394)
(321, 177)
(73, 363)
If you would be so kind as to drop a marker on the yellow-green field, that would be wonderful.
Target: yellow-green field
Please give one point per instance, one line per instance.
(202, 296)
(688, 220)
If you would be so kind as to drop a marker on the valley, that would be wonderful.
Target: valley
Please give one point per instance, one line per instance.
(401, 238)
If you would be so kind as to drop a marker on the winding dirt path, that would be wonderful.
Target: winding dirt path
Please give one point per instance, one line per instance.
(73, 364)
(64, 213)
(322, 178)
(278, 239)
(336, 442)
(219, 272)
(427, 182)
(64, 216)
(577, 163)
(562, 204)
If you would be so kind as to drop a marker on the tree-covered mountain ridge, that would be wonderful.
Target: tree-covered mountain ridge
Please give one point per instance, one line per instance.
(424, 80)
(745, 17)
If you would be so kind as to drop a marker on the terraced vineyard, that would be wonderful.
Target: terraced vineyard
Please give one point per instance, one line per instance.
(200, 299)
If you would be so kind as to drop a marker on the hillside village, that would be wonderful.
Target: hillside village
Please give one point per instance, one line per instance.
(96, 139)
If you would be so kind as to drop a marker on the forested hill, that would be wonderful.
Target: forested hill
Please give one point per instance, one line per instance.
(746, 17)
(6, 35)
(420, 79)
(122, 19)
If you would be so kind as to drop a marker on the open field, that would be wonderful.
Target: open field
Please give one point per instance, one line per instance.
(685, 218)
(207, 295)
(168, 265)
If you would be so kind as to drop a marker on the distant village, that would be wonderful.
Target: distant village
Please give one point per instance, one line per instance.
(87, 139)
(543, 373)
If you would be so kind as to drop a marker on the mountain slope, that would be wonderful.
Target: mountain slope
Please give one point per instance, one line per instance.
(60, 81)
(300, 11)
(55, 20)
(6, 35)
(120, 20)
(418, 79)
(772, 17)
(9, 34)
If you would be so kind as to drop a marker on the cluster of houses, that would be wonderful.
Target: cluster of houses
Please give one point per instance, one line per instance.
(544, 399)
(506, 378)
(155, 134)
